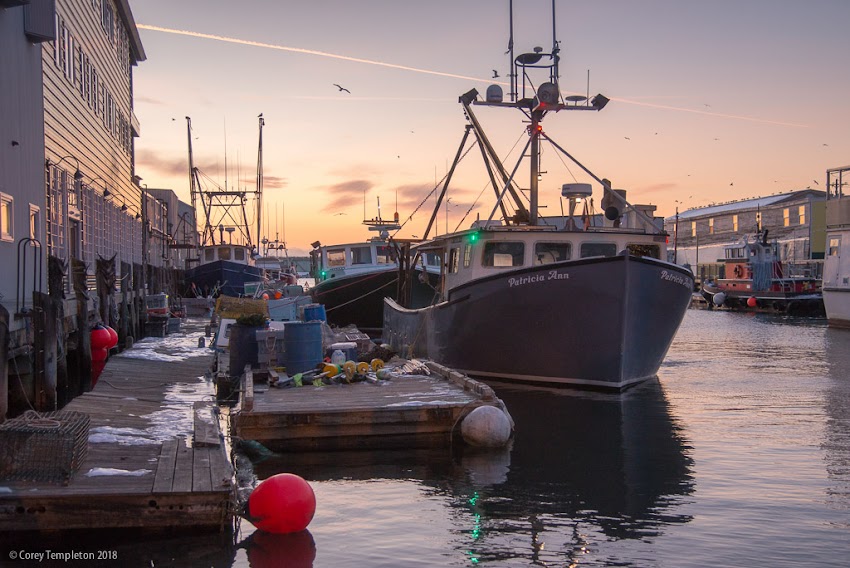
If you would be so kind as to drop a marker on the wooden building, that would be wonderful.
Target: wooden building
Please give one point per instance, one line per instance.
(796, 220)
(83, 240)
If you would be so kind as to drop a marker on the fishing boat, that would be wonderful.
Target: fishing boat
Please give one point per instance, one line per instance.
(223, 267)
(352, 279)
(586, 301)
(756, 280)
(836, 266)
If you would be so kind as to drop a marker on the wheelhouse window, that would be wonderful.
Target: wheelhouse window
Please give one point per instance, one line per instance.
(653, 251)
(336, 257)
(547, 253)
(467, 255)
(361, 255)
(454, 256)
(432, 259)
(385, 254)
(239, 254)
(209, 254)
(503, 254)
(598, 249)
(224, 253)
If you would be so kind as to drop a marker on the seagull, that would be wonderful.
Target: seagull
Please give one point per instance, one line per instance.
(826, 144)
(335, 214)
(15, 143)
(626, 137)
(341, 88)
(495, 73)
(816, 182)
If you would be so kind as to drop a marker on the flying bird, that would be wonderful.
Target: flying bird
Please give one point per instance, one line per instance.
(626, 137)
(341, 88)
(335, 214)
(495, 73)
(816, 182)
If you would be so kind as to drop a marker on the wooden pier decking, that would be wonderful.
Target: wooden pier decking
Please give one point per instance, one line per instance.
(155, 459)
(407, 411)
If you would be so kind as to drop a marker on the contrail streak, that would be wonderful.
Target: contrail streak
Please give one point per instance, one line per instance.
(305, 51)
(432, 72)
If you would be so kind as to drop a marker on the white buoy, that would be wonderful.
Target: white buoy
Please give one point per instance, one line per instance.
(719, 298)
(486, 426)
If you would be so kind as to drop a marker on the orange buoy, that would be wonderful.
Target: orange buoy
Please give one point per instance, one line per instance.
(283, 503)
(277, 295)
(752, 302)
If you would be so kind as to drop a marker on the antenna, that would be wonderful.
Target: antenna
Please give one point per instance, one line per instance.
(225, 153)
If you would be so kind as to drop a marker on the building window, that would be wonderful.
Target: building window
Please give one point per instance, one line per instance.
(35, 222)
(802, 212)
(6, 217)
(786, 217)
(693, 228)
(758, 221)
(711, 226)
(735, 223)
(834, 245)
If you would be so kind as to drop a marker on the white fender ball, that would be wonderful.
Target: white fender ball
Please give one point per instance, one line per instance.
(486, 426)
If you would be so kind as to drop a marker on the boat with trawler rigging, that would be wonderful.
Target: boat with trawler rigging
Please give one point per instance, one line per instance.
(222, 266)
(579, 300)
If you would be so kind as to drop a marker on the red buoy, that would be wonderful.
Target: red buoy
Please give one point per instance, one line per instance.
(113, 337)
(100, 338)
(99, 354)
(293, 550)
(752, 302)
(283, 503)
(96, 370)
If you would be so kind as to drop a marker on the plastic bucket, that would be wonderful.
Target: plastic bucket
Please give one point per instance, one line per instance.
(303, 346)
(315, 312)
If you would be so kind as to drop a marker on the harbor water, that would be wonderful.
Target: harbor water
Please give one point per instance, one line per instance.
(737, 455)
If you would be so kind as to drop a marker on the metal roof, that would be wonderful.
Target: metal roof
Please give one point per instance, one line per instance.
(741, 205)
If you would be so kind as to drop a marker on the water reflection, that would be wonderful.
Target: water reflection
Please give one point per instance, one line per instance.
(583, 467)
(836, 443)
(267, 550)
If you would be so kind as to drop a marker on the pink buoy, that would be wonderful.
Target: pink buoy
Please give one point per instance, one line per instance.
(752, 302)
(113, 337)
(100, 338)
(283, 503)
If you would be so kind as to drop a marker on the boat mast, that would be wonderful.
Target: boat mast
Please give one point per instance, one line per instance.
(192, 187)
(260, 175)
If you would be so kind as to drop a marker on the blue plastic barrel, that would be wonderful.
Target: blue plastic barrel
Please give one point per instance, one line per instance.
(315, 312)
(303, 342)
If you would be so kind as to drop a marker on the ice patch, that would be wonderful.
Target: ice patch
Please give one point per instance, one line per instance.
(107, 471)
(5, 490)
(123, 436)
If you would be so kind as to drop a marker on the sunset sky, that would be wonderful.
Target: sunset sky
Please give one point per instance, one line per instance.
(710, 101)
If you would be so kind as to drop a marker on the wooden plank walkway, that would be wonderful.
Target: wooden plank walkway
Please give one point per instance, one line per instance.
(405, 412)
(155, 457)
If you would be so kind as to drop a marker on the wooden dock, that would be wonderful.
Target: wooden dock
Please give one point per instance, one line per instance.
(155, 458)
(408, 411)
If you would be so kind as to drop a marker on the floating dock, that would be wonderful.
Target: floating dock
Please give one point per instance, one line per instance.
(154, 457)
(406, 411)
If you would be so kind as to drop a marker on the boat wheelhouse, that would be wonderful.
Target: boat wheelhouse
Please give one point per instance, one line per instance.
(223, 269)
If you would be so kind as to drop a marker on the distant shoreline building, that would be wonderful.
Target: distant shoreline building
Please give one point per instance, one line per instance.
(795, 219)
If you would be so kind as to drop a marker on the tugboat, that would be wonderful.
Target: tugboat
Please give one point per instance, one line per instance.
(565, 301)
(756, 280)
